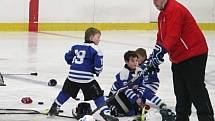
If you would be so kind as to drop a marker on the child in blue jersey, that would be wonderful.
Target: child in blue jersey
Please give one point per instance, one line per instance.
(151, 81)
(85, 60)
(129, 100)
(151, 84)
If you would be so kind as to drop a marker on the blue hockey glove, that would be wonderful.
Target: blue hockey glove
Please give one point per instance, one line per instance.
(156, 58)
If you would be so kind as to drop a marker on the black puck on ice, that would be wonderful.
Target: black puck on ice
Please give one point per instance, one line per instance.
(40, 103)
(52, 82)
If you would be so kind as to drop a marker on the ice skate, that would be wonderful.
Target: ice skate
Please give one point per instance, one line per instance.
(167, 114)
(54, 110)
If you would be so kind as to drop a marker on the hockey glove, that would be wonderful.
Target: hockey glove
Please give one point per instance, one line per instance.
(156, 58)
(166, 113)
(151, 69)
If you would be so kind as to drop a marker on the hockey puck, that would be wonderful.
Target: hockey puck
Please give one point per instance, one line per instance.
(52, 82)
(40, 103)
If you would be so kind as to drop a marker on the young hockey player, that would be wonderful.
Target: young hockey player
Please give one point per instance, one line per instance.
(85, 60)
(128, 101)
(151, 84)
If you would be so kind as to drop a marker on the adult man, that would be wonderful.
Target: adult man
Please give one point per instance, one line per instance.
(180, 37)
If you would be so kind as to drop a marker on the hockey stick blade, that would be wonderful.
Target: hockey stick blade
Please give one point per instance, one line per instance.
(33, 74)
(2, 84)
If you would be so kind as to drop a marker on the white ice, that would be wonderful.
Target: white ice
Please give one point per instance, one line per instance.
(43, 52)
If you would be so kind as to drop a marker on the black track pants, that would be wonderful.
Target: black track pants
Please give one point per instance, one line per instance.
(189, 88)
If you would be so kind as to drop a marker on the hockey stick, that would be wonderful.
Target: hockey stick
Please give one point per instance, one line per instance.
(33, 74)
(19, 111)
(29, 111)
(121, 89)
(2, 80)
(142, 116)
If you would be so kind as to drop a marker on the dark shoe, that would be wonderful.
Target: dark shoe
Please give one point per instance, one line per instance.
(54, 110)
(107, 117)
(167, 114)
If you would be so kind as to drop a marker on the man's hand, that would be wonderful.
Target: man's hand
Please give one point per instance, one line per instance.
(140, 102)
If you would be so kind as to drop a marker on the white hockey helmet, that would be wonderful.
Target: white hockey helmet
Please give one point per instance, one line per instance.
(87, 118)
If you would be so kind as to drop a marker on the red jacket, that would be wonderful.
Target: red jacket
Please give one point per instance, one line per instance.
(179, 33)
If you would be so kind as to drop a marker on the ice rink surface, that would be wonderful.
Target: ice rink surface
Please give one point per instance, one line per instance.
(43, 52)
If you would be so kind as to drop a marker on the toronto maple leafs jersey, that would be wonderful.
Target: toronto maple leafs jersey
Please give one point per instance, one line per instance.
(85, 60)
(134, 90)
(151, 80)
